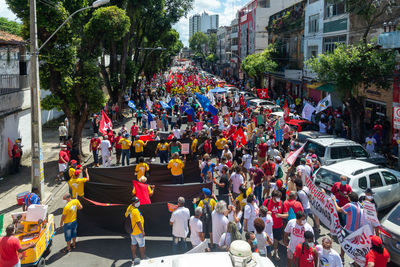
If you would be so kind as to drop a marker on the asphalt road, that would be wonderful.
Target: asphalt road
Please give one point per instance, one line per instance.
(115, 251)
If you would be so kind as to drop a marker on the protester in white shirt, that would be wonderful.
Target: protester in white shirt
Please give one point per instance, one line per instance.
(267, 218)
(177, 132)
(247, 160)
(226, 152)
(304, 170)
(180, 230)
(219, 221)
(232, 234)
(105, 147)
(237, 180)
(322, 127)
(264, 242)
(250, 213)
(295, 228)
(196, 227)
(235, 214)
(302, 193)
(370, 143)
(326, 255)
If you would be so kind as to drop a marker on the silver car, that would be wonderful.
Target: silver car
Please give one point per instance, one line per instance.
(391, 224)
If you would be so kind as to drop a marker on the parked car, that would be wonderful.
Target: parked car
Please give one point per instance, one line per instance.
(277, 114)
(304, 135)
(391, 224)
(384, 182)
(302, 125)
(255, 102)
(233, 90)
(247, 95)
(331, 149)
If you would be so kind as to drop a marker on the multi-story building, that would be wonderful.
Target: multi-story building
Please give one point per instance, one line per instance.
(233, 55)
(223, 50)
(203, 23)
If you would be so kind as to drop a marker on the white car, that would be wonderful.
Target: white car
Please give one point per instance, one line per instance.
(278, 114)
(384, 182)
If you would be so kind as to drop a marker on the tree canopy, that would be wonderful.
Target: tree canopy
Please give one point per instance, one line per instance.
(198, 43)
(10, 26)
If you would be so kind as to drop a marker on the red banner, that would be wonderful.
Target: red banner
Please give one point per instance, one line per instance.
(105, 123)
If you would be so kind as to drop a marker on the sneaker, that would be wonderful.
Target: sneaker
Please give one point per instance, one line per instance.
(276, 256)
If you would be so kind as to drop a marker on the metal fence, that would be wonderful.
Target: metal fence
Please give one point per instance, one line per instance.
(10, 83)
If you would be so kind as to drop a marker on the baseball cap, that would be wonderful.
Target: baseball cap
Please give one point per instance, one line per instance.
(78, 166)
(206, 191)
(279, 183)
(77, 172)
(73, 162)
(376, 240)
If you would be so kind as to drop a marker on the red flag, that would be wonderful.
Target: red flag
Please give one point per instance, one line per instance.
(291, 159)
(105, 123)
(239, 137)
(145, 138)
(262, 93)
(286, 112)
(142, 192)
(383, 232)
(10, 146)
(102, 204)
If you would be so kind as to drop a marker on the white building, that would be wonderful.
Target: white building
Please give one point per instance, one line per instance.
(203, 23)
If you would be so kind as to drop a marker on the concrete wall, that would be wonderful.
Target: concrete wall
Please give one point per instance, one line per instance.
(313, 39)
(48, 115)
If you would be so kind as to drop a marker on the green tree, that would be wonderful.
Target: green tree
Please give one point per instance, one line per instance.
(353, 69)
(256, 65)
(198, 43)
(10, 26)
(212, 43)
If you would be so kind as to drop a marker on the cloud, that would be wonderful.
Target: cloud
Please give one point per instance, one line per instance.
(6, 12)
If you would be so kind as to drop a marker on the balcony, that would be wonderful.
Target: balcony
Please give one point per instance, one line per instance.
(389, 40)
(234, 48)
(234, 35)
(10, 83)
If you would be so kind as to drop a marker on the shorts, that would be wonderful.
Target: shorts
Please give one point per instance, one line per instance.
(207, 226)
(118, 151)
(138, 240)
(307, 212)
(62, 167)
(70, 230)
(290, 254)
(277, 233)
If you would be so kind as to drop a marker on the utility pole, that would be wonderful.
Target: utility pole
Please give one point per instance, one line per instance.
(37, 169)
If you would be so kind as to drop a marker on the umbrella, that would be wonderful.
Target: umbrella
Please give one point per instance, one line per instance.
(218, 90)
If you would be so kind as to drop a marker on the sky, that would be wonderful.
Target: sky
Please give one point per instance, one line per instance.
(225, 8)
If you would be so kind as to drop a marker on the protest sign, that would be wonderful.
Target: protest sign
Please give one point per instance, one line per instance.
(323, 207)
(199, 126)
(172, 207)
(224, 110)
(185, 149)
(279, 135)
(153, 125)
(370, 213)
(357, 244)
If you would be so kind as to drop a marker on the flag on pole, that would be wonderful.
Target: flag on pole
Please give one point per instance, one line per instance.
(294, 155)
(10, 146)
(171, 103)
(150, 117)
(307, 112)
(204, 101)
(131, 105)
(262, 93)
(239, 138)
(105, 123)
(212, 110)
(164, 105)
(324, 104)
(286, 112)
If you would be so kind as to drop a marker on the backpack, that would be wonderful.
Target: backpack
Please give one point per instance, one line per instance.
(280, 173)
(128, 225)
(66, 174)
(206, 214)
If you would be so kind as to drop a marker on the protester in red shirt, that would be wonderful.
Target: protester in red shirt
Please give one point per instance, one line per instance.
(134, 131)
(292, 203)
(94, 148)
(306, 254)
(341, 191)
(110, 136)
(278, 212)
(262, 151)
(63, 159)
(378, 256)
(118, 147)
(269, 169)
(208, 146)
(16, 156)
(10, 247)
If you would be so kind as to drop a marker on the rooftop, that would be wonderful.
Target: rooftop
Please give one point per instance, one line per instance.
(10, 39)
(327, 141)
(349, 167)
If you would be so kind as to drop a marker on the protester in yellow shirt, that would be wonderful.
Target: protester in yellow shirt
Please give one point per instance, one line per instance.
(193, 147)
(150, 188)
(141, 168)
(77, 184)
(242, 197)
(221, 142)
(126, 149)
(176, 165)
(68, 220)
(162, 150)
(137, 221)
(208, 198)
(72, 168)
(139, 147)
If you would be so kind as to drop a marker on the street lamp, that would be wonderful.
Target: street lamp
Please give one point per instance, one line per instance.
(37, 169)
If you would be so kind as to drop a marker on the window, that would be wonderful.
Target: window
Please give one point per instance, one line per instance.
(312, 1)
(362, 183)
(358, 152)
(327, 177)
(318, 149)
(375, 180)
(330, 43)
(394, 216)
(340, 152)
(334, 8)
(389, 178)
(313, 23)
(312, 51)
(264, 3)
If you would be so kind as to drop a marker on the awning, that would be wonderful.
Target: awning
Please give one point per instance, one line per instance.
(314, 85)
(327, 87)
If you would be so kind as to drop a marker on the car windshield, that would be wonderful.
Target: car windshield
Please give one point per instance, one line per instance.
(276, 109)
(309, 127)
(358, 152)
(327, 177)
(394, 216)
(318, 149)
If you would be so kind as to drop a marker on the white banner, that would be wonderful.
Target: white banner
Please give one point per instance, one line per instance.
(324, 104)
(200, 248)
(357, 244)
(370, 214)
(323, 207)
(396, 117)
(307, 111)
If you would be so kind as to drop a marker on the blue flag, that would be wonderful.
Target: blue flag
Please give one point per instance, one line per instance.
(164, 105)
(188, 110)
(171, 103)
(204, 101)
(212, 110)
(143, 105)
(150, 117)
(131, 105)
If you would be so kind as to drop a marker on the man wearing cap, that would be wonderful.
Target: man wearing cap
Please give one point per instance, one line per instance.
(68, 220)
(77, 184)
(94, 148)
(63, 159)
(179, 222)
(31, 198)
(369, 197)
(137, 222)
(207, 204)
(106, 148)
(341, 191)
(139, 147)
(126, 148)
(378, 256)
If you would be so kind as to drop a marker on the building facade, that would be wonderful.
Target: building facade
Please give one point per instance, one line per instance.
(203, 23)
